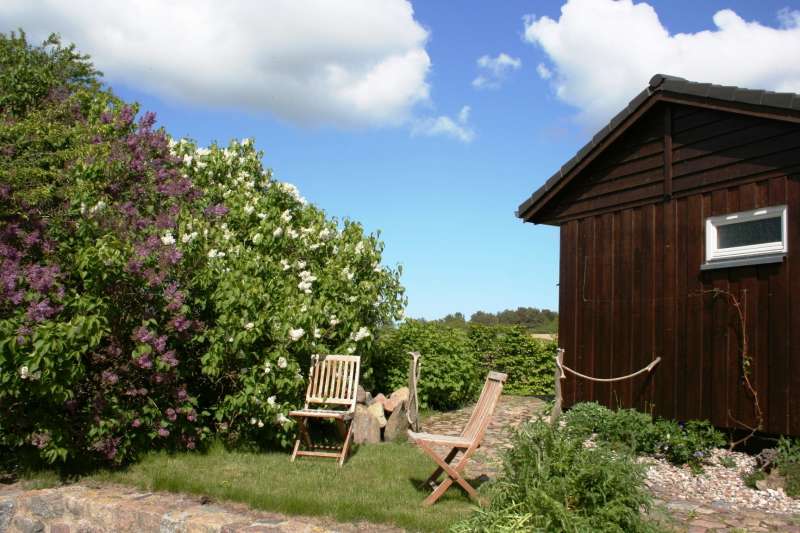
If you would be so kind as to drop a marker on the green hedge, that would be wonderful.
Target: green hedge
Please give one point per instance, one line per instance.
(455, 361)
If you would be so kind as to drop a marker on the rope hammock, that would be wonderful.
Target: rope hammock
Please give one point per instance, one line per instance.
(561, 367)
(412, 413)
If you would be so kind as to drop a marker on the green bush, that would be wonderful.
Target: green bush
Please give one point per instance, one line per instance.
(552, 483)
(529, 362)
(791, 473)
(688, 443)
(450, 374)
(788, 464)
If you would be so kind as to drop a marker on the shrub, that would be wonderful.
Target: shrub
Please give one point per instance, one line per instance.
(552, 482)
(529, 362)
(788, 464)
(152, 291)
(450, 375)
(688, 443)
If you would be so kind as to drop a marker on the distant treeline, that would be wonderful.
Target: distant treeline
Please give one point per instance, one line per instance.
(535, 320)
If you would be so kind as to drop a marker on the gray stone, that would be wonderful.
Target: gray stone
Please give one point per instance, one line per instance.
(366, 428)
(361, 395)
(376, 410)
(23, 524)
(6, 513)
(397, 425)
(47, 505)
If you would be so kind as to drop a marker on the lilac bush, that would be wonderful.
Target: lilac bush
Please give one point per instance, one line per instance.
(153, 293)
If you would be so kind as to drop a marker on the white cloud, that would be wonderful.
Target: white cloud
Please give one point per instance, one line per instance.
(544, 72)
(493, 70)
(360, 62)
(443, 125)
(604, 52)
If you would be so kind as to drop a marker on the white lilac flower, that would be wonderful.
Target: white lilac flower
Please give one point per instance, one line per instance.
(352, 299)
(253, 421)
(246, 141)
(325, 234)
(347, 274)
(262, 216)
(359, 247)
(230, 339)
(250, 184)
(277, 232)
(333, 320)
(23, 372)
(99, 206)
(282, 362)
(292, 233)
(285, 264)
(376, 267)
(351, 349)
(271, 400)
(303, 308)
(83, 208)
(362, 333)
(260, 424)
(248, 209)
(296, 334)
(281, 418)
(203, 151)
(267, 367)
(317, 333)
(305, 286)
(286, 216)
(257, 238)
(315, 246)
(168, 239)
(188, 237)
(213, 253)
(187, 159)
(249, 326)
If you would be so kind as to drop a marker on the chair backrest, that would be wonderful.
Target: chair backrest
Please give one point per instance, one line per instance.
(333, 380)
(482, 413)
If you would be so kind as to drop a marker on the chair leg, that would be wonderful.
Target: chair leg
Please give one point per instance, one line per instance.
(453, 473)
(438, 472)
(346, 444)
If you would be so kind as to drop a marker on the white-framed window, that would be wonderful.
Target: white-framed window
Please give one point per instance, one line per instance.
(747, 234)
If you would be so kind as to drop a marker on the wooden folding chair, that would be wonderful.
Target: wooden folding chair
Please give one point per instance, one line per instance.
(467, 442)
(332, 384)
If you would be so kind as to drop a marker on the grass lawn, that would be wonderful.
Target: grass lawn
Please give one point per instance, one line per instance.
(379, 483)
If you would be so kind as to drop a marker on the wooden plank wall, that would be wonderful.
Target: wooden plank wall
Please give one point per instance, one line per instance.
(631, 285)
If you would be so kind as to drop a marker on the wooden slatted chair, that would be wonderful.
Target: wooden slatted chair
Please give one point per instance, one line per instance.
(332, 385)
(467, 442)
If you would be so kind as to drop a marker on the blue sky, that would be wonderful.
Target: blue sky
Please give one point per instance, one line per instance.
(445, 205)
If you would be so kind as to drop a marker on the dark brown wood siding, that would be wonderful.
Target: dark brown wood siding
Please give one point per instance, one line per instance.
(631, 284)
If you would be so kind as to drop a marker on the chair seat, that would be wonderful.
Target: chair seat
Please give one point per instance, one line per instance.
(321, 413)
(457, 442)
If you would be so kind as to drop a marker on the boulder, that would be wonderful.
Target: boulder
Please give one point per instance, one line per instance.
(397, 425)
(376, 410)
(396, 398)
(361, 395)
(366, 428)
(379, 398)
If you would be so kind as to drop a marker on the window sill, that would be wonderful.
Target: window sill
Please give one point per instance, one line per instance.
(743, 261)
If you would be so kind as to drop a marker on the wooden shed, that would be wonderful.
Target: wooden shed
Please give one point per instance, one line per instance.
(686, 204)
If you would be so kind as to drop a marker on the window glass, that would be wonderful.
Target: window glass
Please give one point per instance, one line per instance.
(749, 233)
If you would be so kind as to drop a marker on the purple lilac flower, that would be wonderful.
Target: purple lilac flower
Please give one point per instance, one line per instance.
(110, 377)
(145, 362)
(170, 359)
(191, 415)
(160, 343)
(163, 432)
(171, 414)
(217, 210)
(182, 394)
(136, 423)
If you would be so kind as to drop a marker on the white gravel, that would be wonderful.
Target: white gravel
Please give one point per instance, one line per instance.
(718, 486)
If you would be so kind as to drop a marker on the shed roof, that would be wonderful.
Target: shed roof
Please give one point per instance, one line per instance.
(662, 85)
